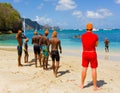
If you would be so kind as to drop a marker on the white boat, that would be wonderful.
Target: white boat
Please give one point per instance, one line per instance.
(94, 29)
(80, 29)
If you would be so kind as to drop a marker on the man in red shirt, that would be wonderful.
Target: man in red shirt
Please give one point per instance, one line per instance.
(89, 55)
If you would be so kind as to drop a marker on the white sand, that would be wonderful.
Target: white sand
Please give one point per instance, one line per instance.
(28, 79)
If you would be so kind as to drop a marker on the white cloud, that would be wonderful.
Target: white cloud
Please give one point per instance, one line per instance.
(117, 1)
(65, 5)
(92, 14)
(43, 20)
(101, 13)
(77, 13)
(40, 6)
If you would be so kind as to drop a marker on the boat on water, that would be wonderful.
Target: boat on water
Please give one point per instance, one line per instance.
(95, 29)
(77, 36)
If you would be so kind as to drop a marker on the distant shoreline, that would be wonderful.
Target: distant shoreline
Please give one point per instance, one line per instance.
(74, 52)
(6, 32)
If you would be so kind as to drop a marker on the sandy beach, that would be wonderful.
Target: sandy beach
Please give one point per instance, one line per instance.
(28, 79)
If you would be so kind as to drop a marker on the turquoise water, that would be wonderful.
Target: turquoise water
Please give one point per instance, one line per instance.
(68, 40)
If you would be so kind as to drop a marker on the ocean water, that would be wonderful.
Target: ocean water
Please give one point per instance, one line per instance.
(67, 38)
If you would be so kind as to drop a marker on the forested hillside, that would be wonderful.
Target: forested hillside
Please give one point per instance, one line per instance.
(10, 19)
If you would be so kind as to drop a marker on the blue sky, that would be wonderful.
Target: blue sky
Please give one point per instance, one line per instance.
(70, 14)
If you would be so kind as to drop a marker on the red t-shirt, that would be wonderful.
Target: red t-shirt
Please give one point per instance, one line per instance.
(89, 40)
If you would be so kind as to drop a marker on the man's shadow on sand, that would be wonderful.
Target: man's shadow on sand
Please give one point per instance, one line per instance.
(63, 72)
(30, 63)
(100, 83)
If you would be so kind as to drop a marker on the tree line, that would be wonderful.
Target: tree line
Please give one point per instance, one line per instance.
(10, 19)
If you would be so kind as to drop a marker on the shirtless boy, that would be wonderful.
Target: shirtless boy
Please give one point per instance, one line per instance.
(55, 44)
(36, 47)
(44, 42)
(19, 38)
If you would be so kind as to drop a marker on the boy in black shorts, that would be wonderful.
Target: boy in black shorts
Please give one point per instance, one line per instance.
(55, 44)
(36, 47)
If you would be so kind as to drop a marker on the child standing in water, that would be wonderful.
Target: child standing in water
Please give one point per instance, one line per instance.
(106, 41)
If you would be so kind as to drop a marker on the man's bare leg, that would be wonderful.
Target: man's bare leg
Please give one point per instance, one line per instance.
(94, 76)
(83, 76)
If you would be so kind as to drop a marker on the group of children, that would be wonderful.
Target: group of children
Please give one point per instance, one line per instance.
(41, 45)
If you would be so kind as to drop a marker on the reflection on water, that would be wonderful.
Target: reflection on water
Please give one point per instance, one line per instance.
(106, 56)
(109, 57)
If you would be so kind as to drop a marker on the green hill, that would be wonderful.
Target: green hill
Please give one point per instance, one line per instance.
(10, 19)
(31, 25)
